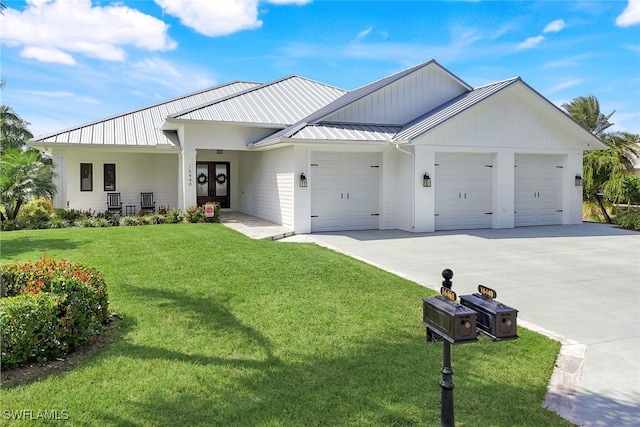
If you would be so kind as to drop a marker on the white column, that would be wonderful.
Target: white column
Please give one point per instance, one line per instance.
(60, 179)
(503, 190)
(424, 196)
(571, 194)
(302, 195)
(186, 185)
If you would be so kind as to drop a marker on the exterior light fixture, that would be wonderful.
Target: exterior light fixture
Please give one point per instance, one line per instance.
(578, 180)
(426, 180)
(303, 180)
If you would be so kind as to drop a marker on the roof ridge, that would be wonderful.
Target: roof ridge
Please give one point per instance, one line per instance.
(498, 82)
(115, 116)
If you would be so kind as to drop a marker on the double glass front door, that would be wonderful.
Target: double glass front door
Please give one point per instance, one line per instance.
(212, 183)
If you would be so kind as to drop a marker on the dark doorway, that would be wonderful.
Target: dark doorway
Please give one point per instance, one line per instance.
(212, 183)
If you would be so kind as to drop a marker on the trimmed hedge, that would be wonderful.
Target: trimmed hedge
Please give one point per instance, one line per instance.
(51, 307)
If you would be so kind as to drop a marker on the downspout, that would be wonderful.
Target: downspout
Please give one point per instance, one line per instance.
(413, 190)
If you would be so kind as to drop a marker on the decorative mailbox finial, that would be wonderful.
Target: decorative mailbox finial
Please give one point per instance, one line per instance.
(447, 275)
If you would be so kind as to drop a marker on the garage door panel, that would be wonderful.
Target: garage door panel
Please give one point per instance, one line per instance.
(463, 191)
(344, 191)
(538, 190)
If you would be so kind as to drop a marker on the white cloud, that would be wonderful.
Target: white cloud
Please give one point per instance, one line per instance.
(298, 2)
(555, 26)
(364, 33)
(214, 18)
(530, 42)
(630, 16)
(566, 84)
(56, 30)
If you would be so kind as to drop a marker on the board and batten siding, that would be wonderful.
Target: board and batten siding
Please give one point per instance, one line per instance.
(402, 101)
(267, 185)
(135, 173)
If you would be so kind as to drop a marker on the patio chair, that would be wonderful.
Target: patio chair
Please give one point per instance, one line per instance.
(114, 203)
(147, 203)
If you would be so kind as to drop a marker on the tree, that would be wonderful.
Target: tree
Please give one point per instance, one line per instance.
(13, 129)
(23, 175)
(606, 172)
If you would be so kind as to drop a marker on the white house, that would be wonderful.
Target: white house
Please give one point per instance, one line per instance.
(420, 150)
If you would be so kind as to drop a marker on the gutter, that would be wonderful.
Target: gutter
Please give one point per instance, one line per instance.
(413, 191)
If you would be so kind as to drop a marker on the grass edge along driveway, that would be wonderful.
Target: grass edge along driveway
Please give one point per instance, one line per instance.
(219, 329)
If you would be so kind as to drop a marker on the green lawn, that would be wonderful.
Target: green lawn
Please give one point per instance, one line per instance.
(221, 330)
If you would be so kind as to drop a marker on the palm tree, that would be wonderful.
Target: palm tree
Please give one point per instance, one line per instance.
(23, 175)
(13, 129)
(605, 172)
(586, 111)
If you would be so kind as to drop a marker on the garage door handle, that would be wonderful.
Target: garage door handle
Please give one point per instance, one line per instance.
(341, 196)
(347, 196)
(459, 195)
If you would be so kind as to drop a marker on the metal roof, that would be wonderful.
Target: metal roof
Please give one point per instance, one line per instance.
(450, 109)
(349, 98)
(140, 127)
(281, 103)
(346, 132)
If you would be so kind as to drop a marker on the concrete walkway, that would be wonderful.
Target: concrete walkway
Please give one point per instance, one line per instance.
(577, 284)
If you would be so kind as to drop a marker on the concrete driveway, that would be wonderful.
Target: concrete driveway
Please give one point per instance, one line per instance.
(579, 284)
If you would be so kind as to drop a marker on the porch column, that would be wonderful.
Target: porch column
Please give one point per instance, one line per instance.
(60, 179)
(187, 187)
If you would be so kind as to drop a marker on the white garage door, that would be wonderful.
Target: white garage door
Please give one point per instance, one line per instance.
(344, 191)
(538, 190)
(463, 191)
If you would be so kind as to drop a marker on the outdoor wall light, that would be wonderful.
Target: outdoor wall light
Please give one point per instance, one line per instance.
(303, 180)
(578, 180)
(426, 180)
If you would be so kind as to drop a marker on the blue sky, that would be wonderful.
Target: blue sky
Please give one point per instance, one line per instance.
(68, 62)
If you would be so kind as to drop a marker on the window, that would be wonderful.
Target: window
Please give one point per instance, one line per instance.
(109, 177)
(86, 176)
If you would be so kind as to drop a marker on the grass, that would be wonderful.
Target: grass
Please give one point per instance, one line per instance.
(219, 329)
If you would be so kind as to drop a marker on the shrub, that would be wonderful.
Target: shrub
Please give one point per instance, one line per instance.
(29, 326)
(57, 223)
(84, 222)
(101, 222)
(197, 214)
(67, 214)
(80, 303)
(174, 216)
(35, 214)
(628, 220)
(129, 221)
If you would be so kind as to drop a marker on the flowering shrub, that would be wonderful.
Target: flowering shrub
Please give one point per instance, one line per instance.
(198, 214)
(80, 307)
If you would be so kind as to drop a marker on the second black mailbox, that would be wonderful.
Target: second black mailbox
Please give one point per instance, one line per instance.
(495, 319)
(450, 320)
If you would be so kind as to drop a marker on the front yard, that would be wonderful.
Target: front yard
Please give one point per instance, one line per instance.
(219, 329)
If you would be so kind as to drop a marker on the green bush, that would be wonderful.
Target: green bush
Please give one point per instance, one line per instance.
(35, 214)
(628, 220)
(29, 326)
(197, 214)
(174, 216)
(129, 221)
(80, 301)
(67, 214)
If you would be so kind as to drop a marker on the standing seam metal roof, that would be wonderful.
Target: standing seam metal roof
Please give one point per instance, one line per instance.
(281, 102)
(140, 127)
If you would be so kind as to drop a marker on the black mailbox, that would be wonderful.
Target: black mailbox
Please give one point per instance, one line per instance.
(495, 319)
(452, 321)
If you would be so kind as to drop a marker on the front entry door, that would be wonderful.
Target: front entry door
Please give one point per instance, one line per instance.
(212, 183)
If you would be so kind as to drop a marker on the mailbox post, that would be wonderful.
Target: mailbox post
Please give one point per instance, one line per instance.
(446, 320)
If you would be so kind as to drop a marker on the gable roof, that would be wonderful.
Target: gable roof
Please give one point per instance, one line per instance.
(351, 98)
(449, 110)
(140, 127)
(278, 103)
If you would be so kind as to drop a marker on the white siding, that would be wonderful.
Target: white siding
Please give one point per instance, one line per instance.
(267, 185)
(402, 101)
